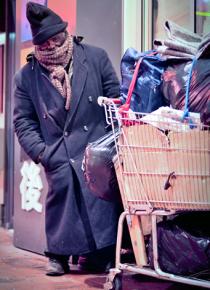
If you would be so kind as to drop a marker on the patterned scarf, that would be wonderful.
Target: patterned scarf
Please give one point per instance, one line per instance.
(55, 61)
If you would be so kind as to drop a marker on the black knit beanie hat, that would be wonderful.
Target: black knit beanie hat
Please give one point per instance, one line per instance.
(44, 22)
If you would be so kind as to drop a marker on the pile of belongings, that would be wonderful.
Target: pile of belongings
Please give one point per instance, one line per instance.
(183, 49)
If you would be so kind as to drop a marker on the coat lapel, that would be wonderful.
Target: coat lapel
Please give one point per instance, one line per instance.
(78, 81)
(52, 101)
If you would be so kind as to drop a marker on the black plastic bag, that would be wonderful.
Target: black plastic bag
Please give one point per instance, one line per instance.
(183, 244)
(175, 80)
(99, 168)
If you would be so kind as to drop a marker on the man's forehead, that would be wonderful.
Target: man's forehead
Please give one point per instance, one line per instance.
(57, 37)
(60, 34)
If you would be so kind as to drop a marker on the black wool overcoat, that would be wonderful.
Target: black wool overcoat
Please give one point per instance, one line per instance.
(76, 221)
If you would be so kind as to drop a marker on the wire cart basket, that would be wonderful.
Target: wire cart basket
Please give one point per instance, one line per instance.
(162, 167)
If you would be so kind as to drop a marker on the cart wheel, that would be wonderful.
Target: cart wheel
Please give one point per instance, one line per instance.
(116, 284)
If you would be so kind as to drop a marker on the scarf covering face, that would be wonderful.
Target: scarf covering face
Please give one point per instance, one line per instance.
(55, 60)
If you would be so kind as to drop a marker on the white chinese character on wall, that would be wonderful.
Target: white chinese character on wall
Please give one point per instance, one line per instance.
(30, 187)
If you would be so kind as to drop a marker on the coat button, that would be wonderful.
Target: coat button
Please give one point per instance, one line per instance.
(66, 134)
(72, 160)
(45, 116)
(85, 128)
(90, 99)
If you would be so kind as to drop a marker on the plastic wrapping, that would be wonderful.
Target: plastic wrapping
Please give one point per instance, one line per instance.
(99, 168)
(175, 82)
(167, 118)
(184, 244)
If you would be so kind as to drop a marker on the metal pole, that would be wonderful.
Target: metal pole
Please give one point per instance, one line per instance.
(9, 135)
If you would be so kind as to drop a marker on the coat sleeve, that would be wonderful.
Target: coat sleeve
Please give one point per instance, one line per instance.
(26, 123)
(109, 78)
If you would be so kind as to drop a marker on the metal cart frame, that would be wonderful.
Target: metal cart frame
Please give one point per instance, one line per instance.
(148, 205)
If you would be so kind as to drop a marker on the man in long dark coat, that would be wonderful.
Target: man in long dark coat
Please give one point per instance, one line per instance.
(56, 114)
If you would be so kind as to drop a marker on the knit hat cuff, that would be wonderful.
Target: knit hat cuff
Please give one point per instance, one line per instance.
(48, 32)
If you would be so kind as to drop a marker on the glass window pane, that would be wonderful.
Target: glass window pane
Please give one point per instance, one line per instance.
(202, 16)
(180, 12)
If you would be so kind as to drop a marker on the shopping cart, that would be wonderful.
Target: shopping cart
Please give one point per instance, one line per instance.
(163, 167)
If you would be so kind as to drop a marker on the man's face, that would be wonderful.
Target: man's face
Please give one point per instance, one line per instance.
(53, 42)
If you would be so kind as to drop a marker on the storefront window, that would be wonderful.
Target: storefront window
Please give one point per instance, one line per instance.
(202, 16)
(180, 12)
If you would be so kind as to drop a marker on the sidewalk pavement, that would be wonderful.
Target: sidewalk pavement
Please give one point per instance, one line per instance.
(23, 270)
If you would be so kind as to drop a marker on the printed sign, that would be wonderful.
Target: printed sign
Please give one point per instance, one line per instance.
(30, 187)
